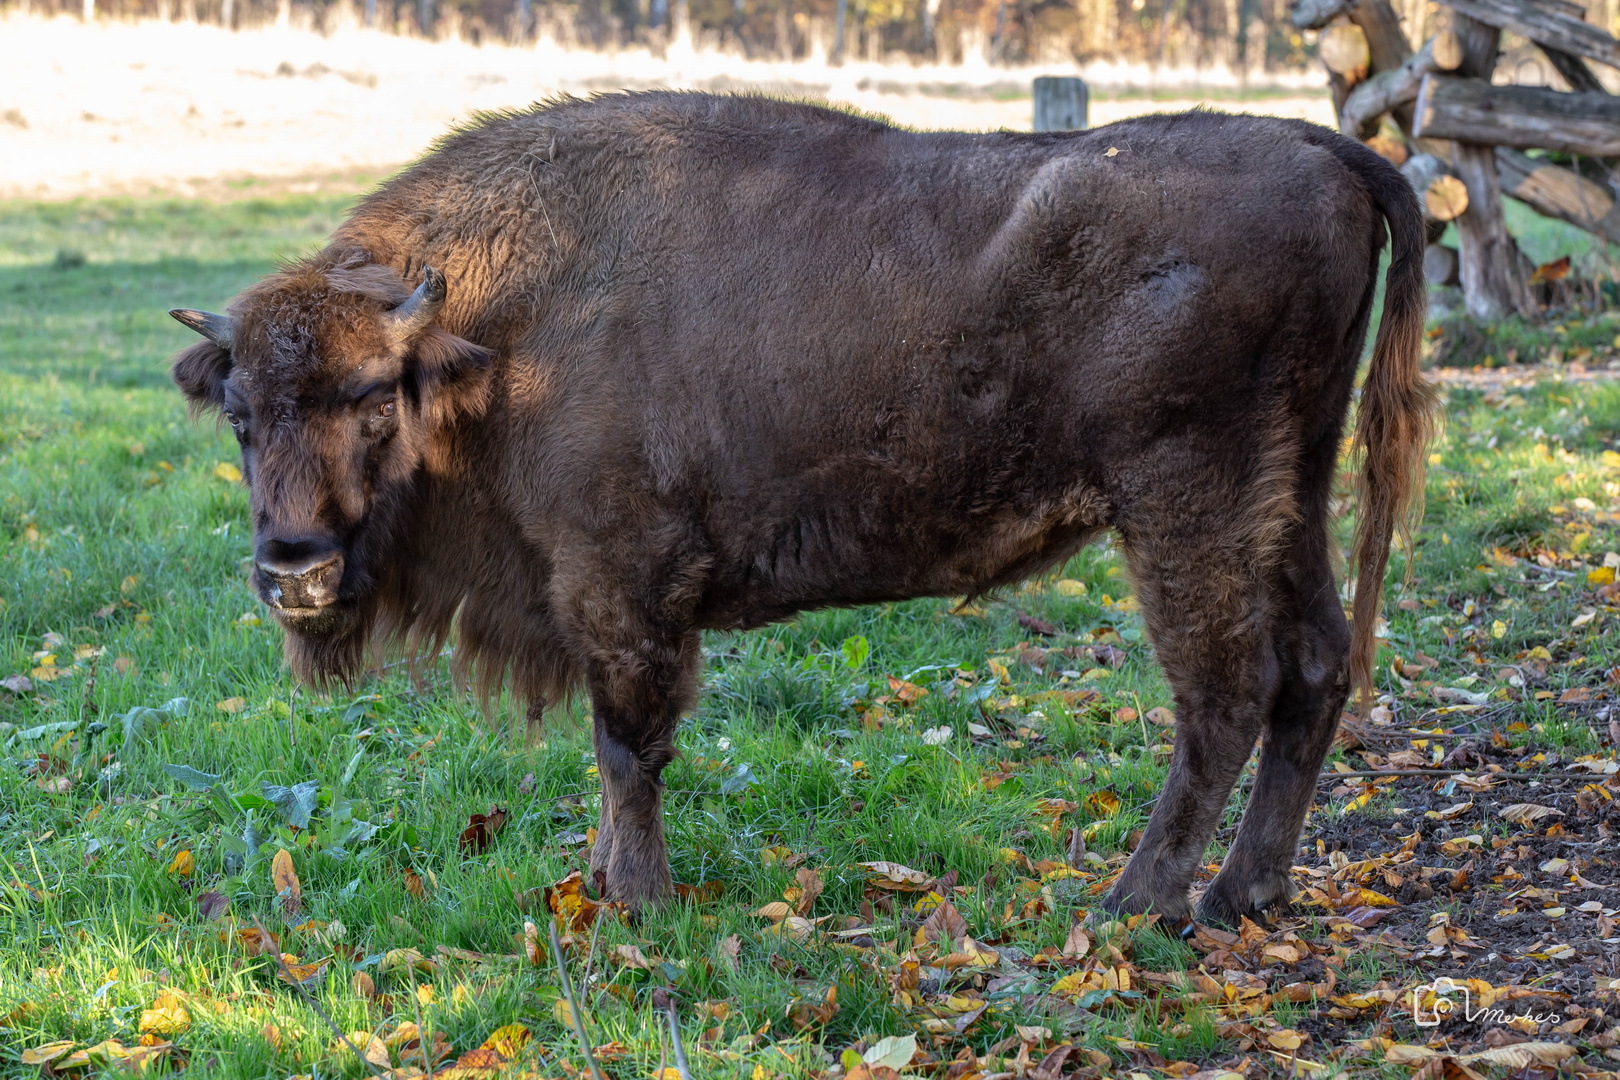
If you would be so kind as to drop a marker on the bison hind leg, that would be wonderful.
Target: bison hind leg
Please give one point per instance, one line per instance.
(1312, 645)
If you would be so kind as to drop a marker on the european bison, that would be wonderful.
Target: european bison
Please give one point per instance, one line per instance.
(681, 362)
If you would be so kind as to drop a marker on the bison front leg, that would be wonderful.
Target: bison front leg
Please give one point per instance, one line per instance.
(636, 698)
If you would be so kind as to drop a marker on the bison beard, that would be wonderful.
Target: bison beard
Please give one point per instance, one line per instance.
(704, 362)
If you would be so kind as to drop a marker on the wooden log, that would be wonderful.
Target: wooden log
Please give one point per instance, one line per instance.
(1544, 24)
(1445, 199)
(1386, 41)
(1389, 89)
(1447, 50)
(1315, 14)
(1554, 191)
(1574, 70)
(1060, 103)
(1342, 48)
(1487, 257)
(1440, 265)
(1472, 110)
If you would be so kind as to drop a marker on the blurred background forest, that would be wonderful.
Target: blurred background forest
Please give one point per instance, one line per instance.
(1249, 38)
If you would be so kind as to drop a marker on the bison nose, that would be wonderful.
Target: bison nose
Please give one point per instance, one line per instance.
(302, 573)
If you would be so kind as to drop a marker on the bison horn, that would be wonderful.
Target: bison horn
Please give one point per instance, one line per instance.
(216, 328)
(418, 310)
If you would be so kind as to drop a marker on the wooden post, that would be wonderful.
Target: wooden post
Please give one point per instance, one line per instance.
(840, 14)
(1060, 103)
(1492, 288)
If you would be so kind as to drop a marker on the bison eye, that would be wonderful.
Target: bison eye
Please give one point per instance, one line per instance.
(386, 408)
(234, 420)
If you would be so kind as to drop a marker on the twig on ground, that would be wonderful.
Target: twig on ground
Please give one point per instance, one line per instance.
(574, 1015)
(309, 999)
(680, 1051)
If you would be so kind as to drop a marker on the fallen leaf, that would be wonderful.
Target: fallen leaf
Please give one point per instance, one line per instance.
(1526, 813)
(481, 831)
(49, 1052)
(167, 1016)
(895, 877)
(810, 887)
(285, 880)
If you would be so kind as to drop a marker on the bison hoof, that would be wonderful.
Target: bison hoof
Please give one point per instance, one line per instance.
(1230, 900)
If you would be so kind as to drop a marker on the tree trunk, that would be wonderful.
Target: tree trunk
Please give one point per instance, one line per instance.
(1472, 110)
(1547, 24)
(1492, 288)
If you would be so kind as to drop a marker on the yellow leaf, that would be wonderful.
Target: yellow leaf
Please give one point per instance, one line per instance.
(564, 1015)
(1102, 804)
(285, 880)
(228, 472)
(1603, 575)
(167, 1016)
(1498, 629)
(1071, 587)
(231, 705)
(39, 1055)
(182, 864)
(775, 911)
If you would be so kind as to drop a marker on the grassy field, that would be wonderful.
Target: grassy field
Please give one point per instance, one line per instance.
(154, 750)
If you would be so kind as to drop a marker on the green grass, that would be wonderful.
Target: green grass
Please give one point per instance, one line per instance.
(118, 538)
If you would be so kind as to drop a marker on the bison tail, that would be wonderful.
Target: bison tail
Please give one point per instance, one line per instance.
(1397, 411)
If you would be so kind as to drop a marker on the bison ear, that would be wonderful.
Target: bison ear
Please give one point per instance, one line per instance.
(452, 375)
(200, 373)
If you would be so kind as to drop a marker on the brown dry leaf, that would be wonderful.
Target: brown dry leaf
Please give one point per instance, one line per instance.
(481, 831)
(806, 1014)
(945, 925)
(776, 911)
(1525, 813)
(531, 944)
(1556, 270)
(373, 1048)
(413, 884)
(1078, 943)
(363, 985)
(306, 975)
(1161, 716)
(731, 949)
(895, 877)
(631, 957)
(285, 880)
(256, 942)
(706, 893)
(810, 887)
(496, 1052)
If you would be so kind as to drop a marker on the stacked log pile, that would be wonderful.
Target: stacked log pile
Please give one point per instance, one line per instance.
(1461, 138)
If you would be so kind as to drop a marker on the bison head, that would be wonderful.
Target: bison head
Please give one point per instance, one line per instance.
(339, 386)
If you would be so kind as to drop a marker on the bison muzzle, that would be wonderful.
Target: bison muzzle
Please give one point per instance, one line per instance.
(678, 362)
